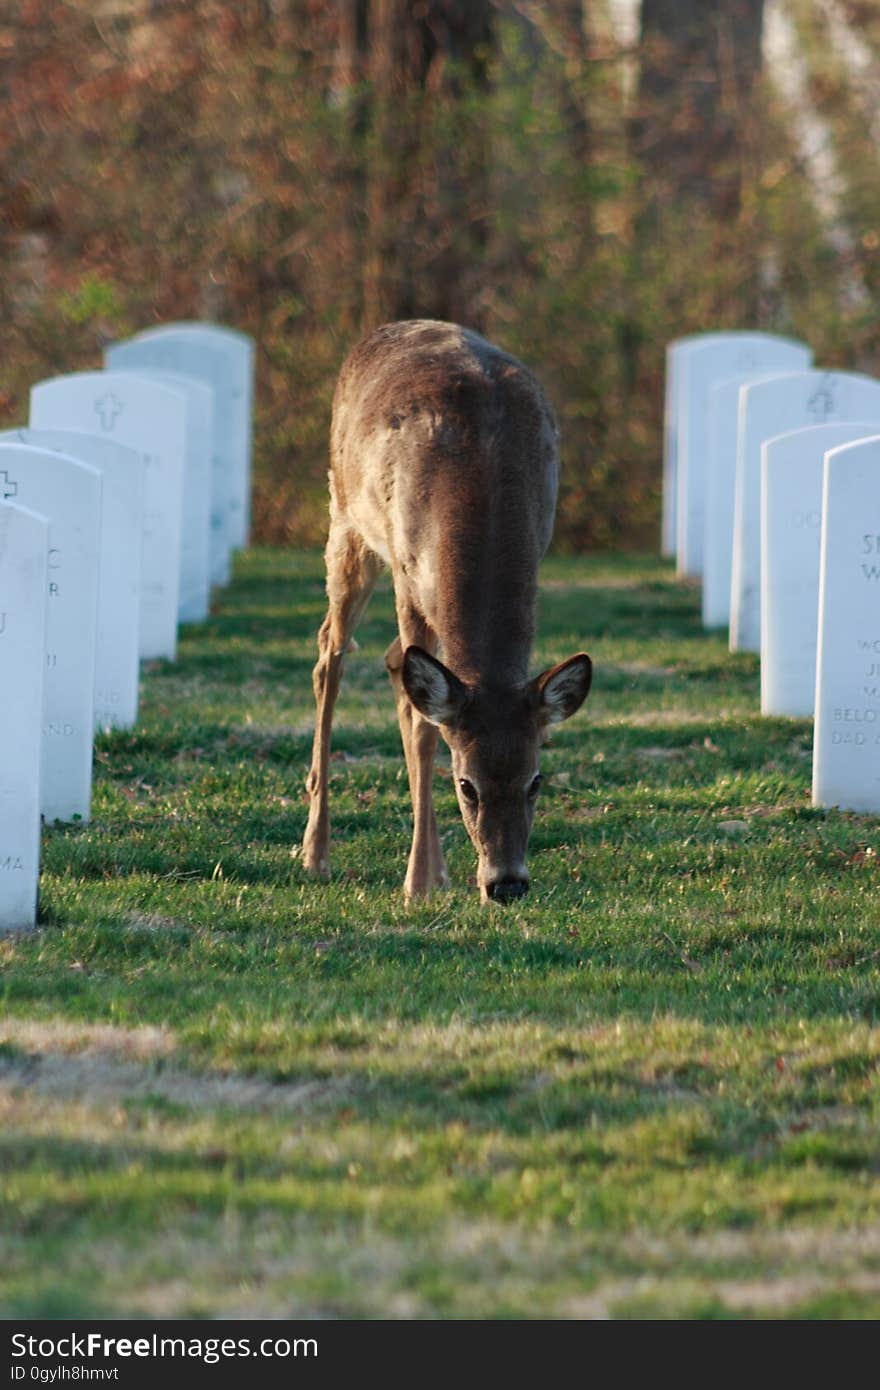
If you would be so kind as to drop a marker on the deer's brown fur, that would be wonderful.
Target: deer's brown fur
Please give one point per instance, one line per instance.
(444, 466)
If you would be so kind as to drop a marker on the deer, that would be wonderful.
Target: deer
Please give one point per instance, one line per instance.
(444, 466)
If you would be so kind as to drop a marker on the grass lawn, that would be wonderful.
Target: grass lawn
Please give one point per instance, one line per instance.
(649, 1088)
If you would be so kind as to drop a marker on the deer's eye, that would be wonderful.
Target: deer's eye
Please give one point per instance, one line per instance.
(468, 791)
(534, 786)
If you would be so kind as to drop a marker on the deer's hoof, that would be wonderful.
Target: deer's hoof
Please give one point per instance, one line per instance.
(415, 887)
(415, 891)
(320, 871)
(315, 860)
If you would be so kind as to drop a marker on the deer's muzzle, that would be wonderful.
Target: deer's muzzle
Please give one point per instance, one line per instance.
(504, 890)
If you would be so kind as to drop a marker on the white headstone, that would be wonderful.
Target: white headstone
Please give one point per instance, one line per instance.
(24, 582)
(203, 361)
(846, 742)
(717, 358)
(768, 408)
(792, 467)
(68, 494)
(240, 353)
(720, 492)
(225, 358)
(198, 482)
(150, 417)
(117, 666)
(674, 354)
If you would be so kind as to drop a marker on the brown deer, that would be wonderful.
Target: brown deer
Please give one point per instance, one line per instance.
(444, 466)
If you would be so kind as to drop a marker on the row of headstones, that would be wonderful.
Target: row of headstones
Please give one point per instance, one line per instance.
(771, 495)
(121, 503)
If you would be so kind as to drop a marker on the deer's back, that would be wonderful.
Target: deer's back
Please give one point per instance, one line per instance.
(444, 458)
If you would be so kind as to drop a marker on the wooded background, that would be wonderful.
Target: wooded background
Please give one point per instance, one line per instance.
(579, 190)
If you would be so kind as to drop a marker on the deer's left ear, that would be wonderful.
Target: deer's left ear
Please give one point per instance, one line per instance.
(559, 692)
(436, 693)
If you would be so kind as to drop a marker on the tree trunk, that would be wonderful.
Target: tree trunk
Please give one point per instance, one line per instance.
(427, 201)
(699, 62)
(571, 18)
(349, 91)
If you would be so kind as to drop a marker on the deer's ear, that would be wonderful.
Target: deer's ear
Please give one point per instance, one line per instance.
(562, 690)
(437, 694)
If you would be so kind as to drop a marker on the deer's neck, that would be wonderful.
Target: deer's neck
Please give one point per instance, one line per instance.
(485, 607)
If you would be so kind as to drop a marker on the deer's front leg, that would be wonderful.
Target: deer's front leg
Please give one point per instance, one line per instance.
(426, 869)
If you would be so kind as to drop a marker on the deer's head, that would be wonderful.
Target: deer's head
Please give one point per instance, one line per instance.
(494, 737)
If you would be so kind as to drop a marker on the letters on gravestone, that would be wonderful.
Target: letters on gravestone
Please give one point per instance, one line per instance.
(151, 417)
(68, 494)
(195, 562)
(720, 490)
(237, 352)
(24, 582)
(768, 408)
(846, 741)
(717, 358)
(117, 667)
(792, 468)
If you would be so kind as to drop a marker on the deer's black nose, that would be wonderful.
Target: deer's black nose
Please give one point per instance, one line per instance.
(504, 890)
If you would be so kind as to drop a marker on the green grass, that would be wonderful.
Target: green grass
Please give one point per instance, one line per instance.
(649, 1088)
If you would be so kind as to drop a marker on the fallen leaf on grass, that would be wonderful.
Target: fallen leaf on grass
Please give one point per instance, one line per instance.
(687, 961)
(863, 856)
(733, 827)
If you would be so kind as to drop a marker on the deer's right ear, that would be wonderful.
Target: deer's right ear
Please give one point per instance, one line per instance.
(562, 690)
(437, 694)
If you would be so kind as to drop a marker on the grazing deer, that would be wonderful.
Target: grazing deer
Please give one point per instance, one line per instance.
(444, 466)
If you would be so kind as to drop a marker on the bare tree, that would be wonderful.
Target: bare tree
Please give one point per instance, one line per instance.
(698, 66)
(428, 171)
(349, 90)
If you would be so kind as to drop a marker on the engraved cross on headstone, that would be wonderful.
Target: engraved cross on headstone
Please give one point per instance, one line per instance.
(821, 403)
(107, 408)
(8, 488)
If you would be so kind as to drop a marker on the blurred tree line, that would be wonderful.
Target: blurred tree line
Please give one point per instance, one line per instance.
(305, 170)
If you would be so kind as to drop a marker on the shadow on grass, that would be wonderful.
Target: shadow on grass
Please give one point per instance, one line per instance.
(322, 962)
(655, 609)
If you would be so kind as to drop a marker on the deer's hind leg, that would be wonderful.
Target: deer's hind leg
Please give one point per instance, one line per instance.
(352, 571)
